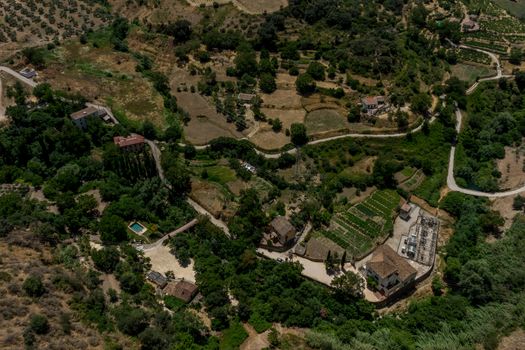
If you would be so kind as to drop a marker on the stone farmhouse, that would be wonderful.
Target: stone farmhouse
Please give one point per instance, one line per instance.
(132, 143)
(391, 272)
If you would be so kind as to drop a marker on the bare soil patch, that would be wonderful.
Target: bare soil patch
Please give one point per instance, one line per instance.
(163, 261)
(205, 124)
(504, 207)
(365, 165)
(106, 76)
(511, 168)
(110, 281)
(260, 6)
(212, 198)
(166, 11)
(287, 117)
(282, 99)
(237, 186)
(255, 341)
(248, 6)
(267, 139)
(513, 341)
(325, 120)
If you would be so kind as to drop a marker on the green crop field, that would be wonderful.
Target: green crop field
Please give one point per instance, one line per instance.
(358, 228)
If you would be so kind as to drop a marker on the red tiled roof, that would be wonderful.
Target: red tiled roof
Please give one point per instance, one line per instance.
(133, 139)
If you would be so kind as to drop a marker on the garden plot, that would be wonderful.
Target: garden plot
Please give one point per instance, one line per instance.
(361, 227)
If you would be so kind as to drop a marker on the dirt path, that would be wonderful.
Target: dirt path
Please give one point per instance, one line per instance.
(255, 341)
(3, 117)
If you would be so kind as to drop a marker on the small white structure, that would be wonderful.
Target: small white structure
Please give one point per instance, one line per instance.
(28, 73)
(249, 167)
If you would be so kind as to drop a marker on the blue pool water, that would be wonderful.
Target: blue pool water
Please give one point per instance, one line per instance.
(136, 227)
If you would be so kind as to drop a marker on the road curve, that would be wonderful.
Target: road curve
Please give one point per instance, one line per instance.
(451, 181)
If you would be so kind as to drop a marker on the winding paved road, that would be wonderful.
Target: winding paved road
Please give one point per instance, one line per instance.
(451, 182)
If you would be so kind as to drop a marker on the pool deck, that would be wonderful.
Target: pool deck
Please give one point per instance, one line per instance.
(136, 223)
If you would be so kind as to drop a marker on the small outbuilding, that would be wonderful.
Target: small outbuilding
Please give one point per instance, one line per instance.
(404, 211)
(157, 278)
(28, 73)
(246, 98)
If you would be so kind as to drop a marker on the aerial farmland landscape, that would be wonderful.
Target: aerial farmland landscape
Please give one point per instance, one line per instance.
(273, 174)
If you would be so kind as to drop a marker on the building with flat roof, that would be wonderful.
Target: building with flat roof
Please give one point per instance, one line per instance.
(81, 117)
(28, 73)
(404, 211)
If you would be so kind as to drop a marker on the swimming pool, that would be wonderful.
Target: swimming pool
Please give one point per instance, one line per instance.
(137, 228)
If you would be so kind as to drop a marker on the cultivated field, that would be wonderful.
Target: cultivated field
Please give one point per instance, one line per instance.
(205, 124)
(514, 7)
(325, 120)
(248, 6)
(359, 228)
(470, 72)
(38, 21)
(106, 76)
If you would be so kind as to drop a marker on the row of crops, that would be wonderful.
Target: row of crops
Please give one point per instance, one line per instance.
(358, 228)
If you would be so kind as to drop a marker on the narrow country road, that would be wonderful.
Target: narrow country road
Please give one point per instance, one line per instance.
(18, 76)
(3, 118)
(157, 157)
(451, 181)
(495, 61)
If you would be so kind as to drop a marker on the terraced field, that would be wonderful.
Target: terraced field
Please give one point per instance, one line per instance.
(361, 226)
